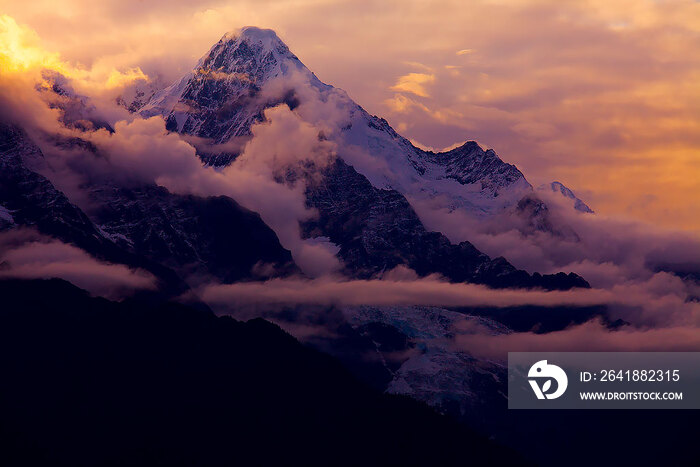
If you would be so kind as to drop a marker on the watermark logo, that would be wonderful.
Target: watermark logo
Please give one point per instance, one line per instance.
(544, 373)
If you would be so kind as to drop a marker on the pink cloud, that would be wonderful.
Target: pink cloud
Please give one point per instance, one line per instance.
(27, 255)
(589, 337)
(642, 304)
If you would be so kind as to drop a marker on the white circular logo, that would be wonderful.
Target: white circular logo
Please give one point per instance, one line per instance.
(544, 373)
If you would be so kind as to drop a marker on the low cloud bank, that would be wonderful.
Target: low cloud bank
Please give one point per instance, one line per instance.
(636, 248)
(587, 337)
(656, 319)
(651, 303)
(27, 255)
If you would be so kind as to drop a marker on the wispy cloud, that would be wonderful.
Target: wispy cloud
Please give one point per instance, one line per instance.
(414, 83)
(588, 337)
(639, 303)
(27, 255)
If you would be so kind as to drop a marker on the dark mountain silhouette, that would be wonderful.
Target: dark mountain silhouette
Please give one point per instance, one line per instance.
(86, 381)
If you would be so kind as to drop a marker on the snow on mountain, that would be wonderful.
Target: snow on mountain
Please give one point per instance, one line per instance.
(466, 178)
(140, 93)
(568, 195)
(248, 71)
(220, 98)
(433, 369)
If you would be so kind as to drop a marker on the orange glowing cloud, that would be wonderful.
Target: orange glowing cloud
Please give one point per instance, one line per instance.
(21, 52)
(414, 83)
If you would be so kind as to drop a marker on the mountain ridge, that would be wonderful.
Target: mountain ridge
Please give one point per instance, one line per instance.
(246, 72)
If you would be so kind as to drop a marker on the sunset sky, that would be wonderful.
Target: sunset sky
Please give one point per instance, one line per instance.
(602, 96)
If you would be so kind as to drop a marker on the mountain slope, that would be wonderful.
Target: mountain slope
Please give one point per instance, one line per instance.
(212, 236)
(140, 225)
(221, 98)
(378, 230)
(31, 200)
(91, 382)
(567, 194)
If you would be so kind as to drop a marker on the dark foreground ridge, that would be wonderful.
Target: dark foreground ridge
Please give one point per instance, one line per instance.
(86, 381)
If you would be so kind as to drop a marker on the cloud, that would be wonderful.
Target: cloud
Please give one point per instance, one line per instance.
(414, 83)
(651, 303)
(27, 255)
(234, 145)
(21, 51)
(592, 245)
(284, 153)
(269, 177)
(592, 336)
(658, 314)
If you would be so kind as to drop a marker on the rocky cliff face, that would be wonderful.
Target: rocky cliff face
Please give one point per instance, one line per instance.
(378, 230)
(144, 226)
(30, 200)
(211, 237)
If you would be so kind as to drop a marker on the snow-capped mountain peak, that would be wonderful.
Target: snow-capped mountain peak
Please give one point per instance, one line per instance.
(249, 70)
(255, 34)
(257, 53)
(220, 98)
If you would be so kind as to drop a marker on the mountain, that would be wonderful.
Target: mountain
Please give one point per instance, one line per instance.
(144, 226)
(378, 230)
(221, 98)
(139, 93)
(230, 86)
(416, 346)
(200, 237)
(568, 195)
(431, 368)
(365, 198)
(364, 202)
(76, 111)
(87, 382)
(28, 199)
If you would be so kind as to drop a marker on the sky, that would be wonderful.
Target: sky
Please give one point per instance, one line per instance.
(602, 96)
